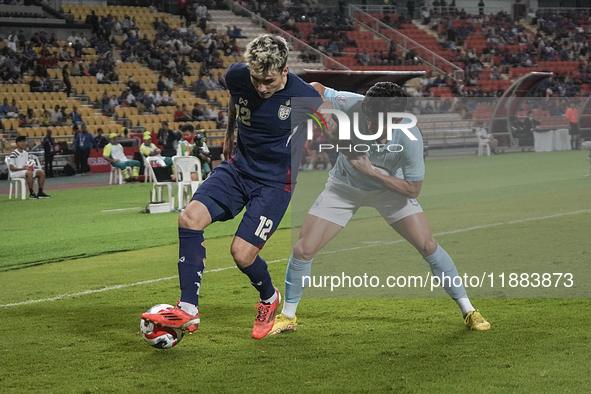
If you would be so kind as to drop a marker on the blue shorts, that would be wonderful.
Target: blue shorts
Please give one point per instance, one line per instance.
(232, 191)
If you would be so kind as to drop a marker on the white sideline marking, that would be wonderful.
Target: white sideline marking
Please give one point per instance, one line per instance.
(276, 261)
(120, 209)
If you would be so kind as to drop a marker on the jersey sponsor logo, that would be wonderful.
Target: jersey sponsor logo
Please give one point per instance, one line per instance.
(284, 112)
(413, 202)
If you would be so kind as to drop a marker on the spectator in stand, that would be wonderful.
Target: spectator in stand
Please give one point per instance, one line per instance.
(222, 120)
(221, 81)
(65, 115)
(12, 44)
(182, 114)
(100, 141)
(130, 98)
(45, 119)
(197, 112)
(168, 99)
(30, 119)
(66, 79)
(56, 116)
(93, 20)
(34, 84)
(48, 150)
(184, 11)
(211, 114)
(75, 116)
(161, 86)
(12, 111)
(4, 108)
(113, 103)
(18, 164)
(211, 84)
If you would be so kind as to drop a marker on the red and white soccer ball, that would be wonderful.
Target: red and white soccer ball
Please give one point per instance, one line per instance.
(31, 164)
(158, 336)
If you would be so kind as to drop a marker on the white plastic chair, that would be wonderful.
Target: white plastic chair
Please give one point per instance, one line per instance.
(147, 172)
(158, 186)
(184, 166)
(116, 177)
(482, 145)
(15, 183)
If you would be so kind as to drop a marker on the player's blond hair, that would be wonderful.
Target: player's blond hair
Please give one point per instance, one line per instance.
(267, 54)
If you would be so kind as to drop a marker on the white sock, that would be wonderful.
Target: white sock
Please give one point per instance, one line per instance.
(271, 300)
(289, 309)
(188, 308)
(465, 305)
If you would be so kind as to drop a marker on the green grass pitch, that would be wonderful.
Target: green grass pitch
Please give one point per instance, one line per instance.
(74, 281)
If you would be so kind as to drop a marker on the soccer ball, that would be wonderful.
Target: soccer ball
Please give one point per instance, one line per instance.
(158, 336)
(31, 164)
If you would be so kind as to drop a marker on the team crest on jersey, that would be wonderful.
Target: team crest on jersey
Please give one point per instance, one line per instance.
(341, 100)
(284, 112)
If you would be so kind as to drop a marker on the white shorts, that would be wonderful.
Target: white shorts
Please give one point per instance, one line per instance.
(339, 202)
(21, 173)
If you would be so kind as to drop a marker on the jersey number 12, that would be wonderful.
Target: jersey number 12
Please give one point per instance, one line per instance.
(243, 114)
(264, 228)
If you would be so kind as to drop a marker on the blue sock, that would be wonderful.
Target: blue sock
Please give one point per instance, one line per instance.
(294, 287)
(260, 278)
(191, 264)
(441, 263)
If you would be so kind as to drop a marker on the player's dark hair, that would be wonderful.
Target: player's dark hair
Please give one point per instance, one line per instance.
(21, 138)
(384, 97)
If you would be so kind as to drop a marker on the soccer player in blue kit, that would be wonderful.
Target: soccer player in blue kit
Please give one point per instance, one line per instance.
(388, 179)
(257, 176)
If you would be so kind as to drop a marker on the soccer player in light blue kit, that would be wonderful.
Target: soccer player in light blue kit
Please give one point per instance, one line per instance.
(387, 178)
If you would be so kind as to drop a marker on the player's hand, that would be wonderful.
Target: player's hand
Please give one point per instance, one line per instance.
(362, 164)
(228, 146)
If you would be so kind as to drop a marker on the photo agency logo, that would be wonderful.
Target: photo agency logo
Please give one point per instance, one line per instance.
(353, 138)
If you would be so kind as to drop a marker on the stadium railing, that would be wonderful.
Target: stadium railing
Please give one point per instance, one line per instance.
(426, 54)
(294, 42)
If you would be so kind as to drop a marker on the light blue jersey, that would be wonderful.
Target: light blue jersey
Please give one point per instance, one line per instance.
(401, 156)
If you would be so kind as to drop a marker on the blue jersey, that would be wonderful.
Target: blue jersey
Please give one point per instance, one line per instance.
(267, 138)
(407, 163)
